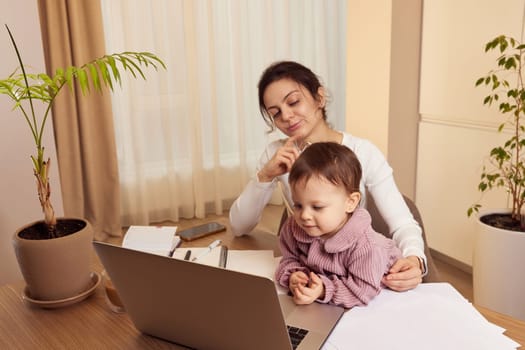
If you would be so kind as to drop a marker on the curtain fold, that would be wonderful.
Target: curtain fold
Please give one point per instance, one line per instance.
(72, 34)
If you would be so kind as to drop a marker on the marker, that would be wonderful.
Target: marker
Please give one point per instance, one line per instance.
(188, 254)
(174, 245)
(208, 249)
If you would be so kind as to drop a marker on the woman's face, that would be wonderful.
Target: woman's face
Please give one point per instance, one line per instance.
(293, 109)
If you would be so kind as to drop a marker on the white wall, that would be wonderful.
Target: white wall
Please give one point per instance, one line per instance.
(456, 131)
(18, 200)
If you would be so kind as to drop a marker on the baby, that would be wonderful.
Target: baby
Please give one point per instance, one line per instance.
(331, 254)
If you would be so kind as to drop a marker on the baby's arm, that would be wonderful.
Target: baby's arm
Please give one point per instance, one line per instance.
(362, 283)
(290, 262)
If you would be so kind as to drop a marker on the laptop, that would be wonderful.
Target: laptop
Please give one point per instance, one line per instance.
(206, 307)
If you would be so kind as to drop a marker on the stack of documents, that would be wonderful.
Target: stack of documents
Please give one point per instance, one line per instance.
(159, 239)
(151, 239)
(431, 316)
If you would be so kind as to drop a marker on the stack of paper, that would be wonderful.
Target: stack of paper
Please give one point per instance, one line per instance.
(431, 316)
(151, 239)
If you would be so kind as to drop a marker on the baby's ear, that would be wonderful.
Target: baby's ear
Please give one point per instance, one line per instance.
(352, 201)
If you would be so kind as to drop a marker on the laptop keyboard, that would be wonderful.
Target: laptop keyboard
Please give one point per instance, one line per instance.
(296, 335)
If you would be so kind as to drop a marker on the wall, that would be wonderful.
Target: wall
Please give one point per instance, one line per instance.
(410, 89)
(383, 81)
(456, 131)
(368, 70)
(18, 201)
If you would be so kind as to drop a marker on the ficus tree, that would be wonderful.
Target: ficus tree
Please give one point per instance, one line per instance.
(505, 167)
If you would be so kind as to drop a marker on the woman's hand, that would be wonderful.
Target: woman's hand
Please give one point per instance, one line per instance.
(281, 162)
(404, 275)
(307, 294)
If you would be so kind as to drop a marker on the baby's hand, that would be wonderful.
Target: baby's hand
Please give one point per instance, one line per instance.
(307, 293)
(298, 278)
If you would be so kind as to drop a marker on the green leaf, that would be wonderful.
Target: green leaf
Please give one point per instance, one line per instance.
(112, 63)
(69, 76)
(511, 63)
(105, 74)
(83, 81)
(94, 76)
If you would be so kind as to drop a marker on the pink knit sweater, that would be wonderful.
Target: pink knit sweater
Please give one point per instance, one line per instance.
(351, 263)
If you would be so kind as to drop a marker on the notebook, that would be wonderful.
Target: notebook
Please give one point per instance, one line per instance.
(207, 307)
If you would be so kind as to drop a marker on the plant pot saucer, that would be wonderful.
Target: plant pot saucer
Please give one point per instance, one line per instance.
(53, 304)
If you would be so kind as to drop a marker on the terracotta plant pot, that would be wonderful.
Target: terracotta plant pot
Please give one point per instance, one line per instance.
(57, 268)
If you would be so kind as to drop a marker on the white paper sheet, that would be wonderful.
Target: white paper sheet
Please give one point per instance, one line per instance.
(432, 316)
(212, 258)
(255, 262)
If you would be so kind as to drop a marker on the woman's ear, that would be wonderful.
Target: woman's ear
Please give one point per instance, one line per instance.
(321, 96)
(352, 201)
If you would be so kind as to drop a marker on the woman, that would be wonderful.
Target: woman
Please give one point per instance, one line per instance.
(292, 99)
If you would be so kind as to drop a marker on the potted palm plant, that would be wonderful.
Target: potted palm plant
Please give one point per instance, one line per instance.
(500, 239)
(54, 254)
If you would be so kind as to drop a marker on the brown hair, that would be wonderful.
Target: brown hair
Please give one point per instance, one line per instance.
(332, 161)
(287, 70)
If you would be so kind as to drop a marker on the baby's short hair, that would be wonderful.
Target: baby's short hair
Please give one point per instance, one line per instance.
(332, 161)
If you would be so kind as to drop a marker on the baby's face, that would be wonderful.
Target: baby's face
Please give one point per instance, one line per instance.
(320, 207)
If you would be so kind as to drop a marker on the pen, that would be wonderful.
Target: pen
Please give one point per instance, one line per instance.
(174, 245)
(208, 249)
(224, 256)
(188, 254)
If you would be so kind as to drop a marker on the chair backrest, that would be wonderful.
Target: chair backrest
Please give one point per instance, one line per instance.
(380, 226)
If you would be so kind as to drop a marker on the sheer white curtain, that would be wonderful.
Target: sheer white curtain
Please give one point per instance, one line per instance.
(189, 137)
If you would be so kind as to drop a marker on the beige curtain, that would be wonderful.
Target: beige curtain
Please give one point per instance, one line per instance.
(72, 34)
(189, 138)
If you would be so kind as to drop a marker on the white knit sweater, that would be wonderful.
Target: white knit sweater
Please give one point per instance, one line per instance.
(377, 179)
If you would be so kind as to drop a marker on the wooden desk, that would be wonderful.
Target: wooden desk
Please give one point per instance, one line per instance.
(515, 329)
(91, 325)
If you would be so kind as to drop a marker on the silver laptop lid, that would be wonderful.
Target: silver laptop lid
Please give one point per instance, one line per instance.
(207, 307)
(195, 305)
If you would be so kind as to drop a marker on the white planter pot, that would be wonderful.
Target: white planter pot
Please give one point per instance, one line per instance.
(498, 267)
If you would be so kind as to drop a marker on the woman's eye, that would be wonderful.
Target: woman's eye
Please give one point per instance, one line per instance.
(293, 103)
(276, 115)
